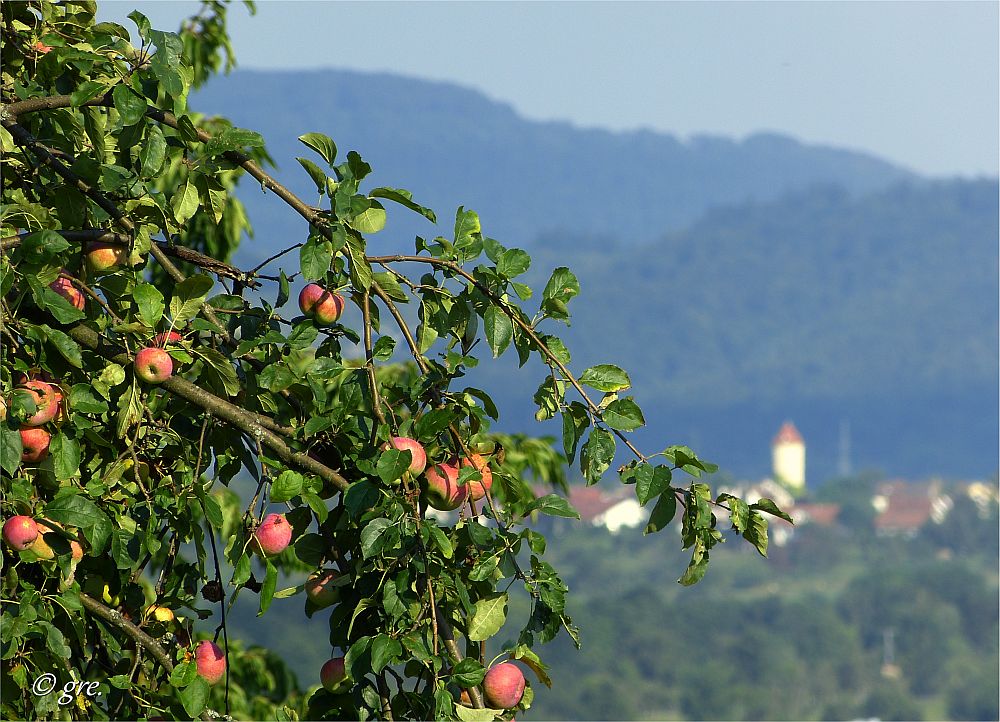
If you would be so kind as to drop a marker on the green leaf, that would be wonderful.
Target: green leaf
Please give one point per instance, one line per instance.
(650, 482)
(129, 104)
(756, 531)
(189, 297)
(624, 415)
(233, 139)
(488, 616)
(404, 198)
(267, 588)
(194, 697)
(392, 463)
(553, 505)
(59, 307)
(371, 220)
(470, 714)
(315, 172)
(184, 202)
(286, 486)
(359, 497)
(499, 330)
(373, 537)
(561, 286)
(696, 568)
(468, 673)
(466, 227)
(575, 421)
(768, 505)
(606, 377)
(87, 90)
(311, 549)
(527, 656)
(597, 455)
(150, 302)
(183, 674)
(385, 650)
(129, 409)
(441, 540)
(65, 454)
(10, 449)
(152, 152)
(513, 263)
(322, 144)
(662, 513)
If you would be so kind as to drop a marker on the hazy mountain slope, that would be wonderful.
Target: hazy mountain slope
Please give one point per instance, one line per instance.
(451, 145)
(879, 310)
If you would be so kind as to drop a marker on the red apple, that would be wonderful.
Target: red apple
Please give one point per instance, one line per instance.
(153, 365)
(164, 339)
(478, 489)
(273, 535)
(210, 661)
(418, 458)
(503, 686)
(20, 532)
(65, 288)
(320, 590)
(333, 675)
(443, 490)
(323, 306)
(34, 445)
(46, 402)
(104, 257)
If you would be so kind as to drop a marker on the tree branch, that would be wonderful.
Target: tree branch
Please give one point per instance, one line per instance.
(134, 633)
(231, 414)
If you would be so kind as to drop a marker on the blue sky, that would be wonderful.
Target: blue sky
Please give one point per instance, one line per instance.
(913, 82)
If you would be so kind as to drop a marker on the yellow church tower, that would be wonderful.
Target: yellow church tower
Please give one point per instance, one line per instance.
(788, 454)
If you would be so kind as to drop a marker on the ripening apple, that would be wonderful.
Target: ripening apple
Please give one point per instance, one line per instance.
(477, 489)
(443, 490)
(46, 399)
(161, 614)
(34, 445)
(65, 288)
(210, 661)
(104, 257)
(321, 305)
(503, 686)
(418, 457)
(153, 365)
(320, 590)
(3, 409)
(164, 339)
(273, 535)
(332, 675)
(20, 532)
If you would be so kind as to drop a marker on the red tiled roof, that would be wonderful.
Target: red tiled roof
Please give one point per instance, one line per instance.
(904, 513)
(787, 434)
(822, 514)
(591, 501)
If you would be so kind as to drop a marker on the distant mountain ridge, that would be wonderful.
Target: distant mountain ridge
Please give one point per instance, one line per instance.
(452, 145)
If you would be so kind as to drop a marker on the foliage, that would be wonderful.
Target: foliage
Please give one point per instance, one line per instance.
(102, 159)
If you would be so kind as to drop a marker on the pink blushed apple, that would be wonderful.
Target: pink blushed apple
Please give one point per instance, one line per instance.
(34, 445)
(477, 489)
(418, 458)
(65, 288)
(320, 590)
(46, 399)
(443, 490)
(153, 365)
(503, 686)
(333, 675)
(105, 257)
(273, 535)
(210, 661)
(323, 306)
(20, 532)
(162, 340)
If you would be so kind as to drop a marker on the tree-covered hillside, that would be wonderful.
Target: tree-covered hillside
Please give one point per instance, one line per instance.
(880, 310)
(443, 139)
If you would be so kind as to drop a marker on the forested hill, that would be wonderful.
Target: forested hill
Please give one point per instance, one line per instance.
(879, 310)
(451, 145)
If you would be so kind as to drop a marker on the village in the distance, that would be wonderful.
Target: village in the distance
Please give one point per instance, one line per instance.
(901, 507)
